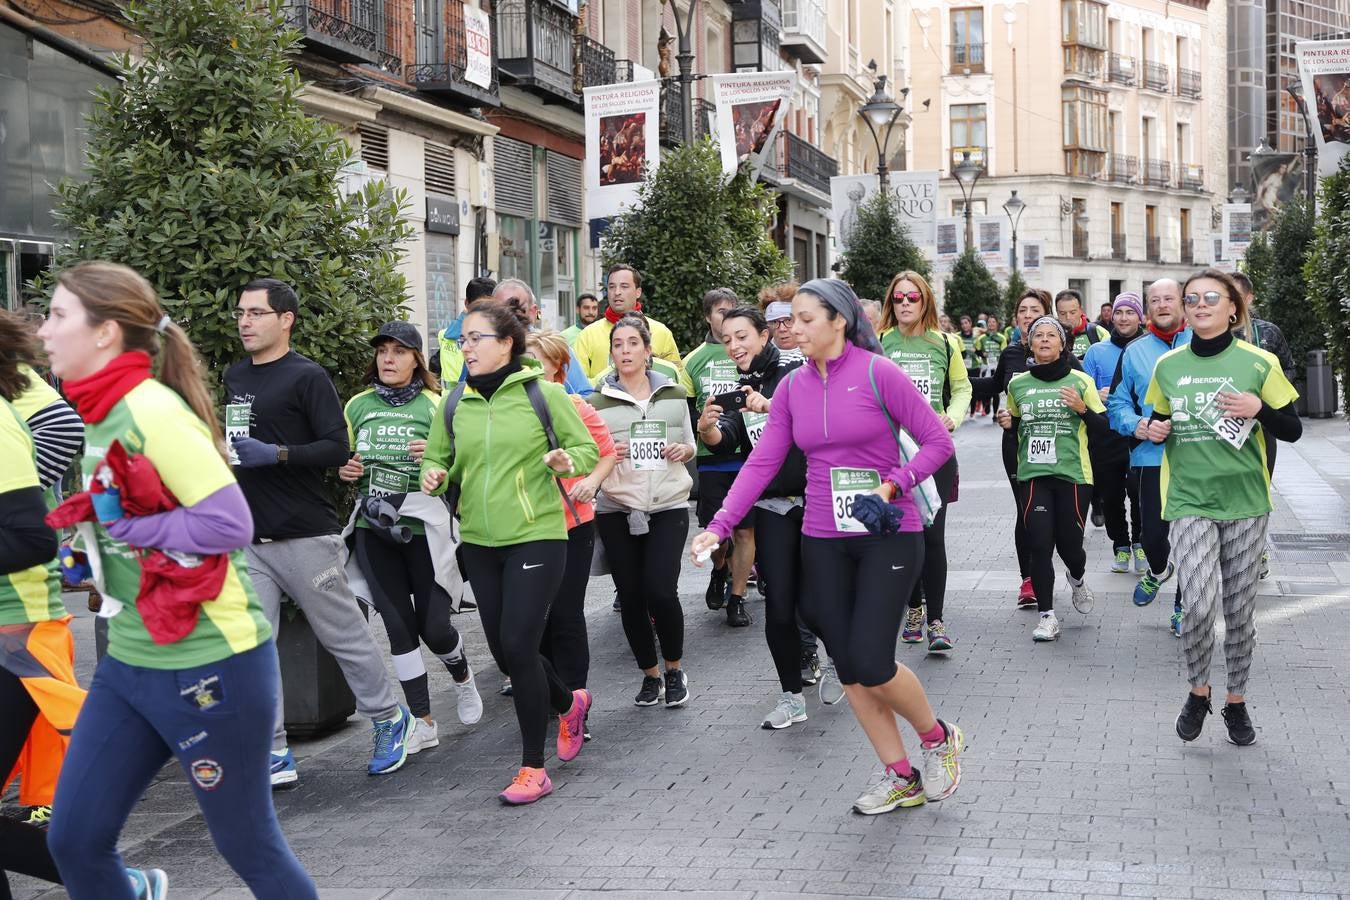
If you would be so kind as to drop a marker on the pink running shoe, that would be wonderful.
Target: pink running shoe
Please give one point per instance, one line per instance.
(1026, 596)
(572, 726)
(528, 786)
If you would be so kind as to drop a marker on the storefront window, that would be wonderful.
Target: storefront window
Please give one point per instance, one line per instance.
(557, 273)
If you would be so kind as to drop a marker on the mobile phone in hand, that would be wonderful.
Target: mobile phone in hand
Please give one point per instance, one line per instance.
(730, 400)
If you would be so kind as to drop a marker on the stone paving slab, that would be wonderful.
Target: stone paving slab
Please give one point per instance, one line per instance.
(1074, 785)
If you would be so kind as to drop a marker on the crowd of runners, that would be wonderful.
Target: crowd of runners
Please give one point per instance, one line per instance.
(503, 466)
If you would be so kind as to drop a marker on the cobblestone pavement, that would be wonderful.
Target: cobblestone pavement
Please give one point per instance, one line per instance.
(1075, 784)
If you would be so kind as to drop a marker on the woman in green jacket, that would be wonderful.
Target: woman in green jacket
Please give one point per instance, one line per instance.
(515, 537)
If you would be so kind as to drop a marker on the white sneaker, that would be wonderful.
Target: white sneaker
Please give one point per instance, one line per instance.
(942, 764)
(424, 736)
(468, 705)
(1048, 629)
(791, 708)
(1083, 598)
(831, 690)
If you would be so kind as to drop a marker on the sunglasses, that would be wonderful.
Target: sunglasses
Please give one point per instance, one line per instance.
(1211, 298)
(908, 297)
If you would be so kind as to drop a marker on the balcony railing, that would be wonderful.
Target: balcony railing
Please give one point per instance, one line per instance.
(1123, 70)
(1117, 245)
(442, 61)
(1083, 63)
(358, 31)
(1153, 249)
(623, 71)
(1157, 172)
(535, 50)
(1188, 83)
(967, 58)
(1191, 177)
(598, 65)
(804, 30)
(1121, 169)
(798, 159)
(1157, 76)
(1188, 251)
(672, 116)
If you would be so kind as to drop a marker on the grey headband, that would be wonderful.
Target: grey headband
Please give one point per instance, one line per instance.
(1050, 320)
(840, 297)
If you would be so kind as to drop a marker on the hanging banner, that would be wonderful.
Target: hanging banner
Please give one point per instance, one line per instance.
(991, 240)
(948, 244)
(1237, 230)
(750, 110)
(1032, 253)
(623, 144)
(915, 198)
(847, 194)
(1276, 179)
(1324, 68)
(477, 47)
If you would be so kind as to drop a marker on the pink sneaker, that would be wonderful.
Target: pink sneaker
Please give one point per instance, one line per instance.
(528, 786)
(571, 726)
(1026, 596)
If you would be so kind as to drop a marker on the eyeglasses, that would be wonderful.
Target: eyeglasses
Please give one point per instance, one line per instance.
(473, 337)
(781, 323)
(1211, 298)
(908, 297)
(252, 315)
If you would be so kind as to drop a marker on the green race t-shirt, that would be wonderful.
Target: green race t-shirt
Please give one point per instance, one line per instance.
(1051, 438)
(1214, 466)
(32, 594)
(927, 360)
(968, 351)
(991, 345)
(712, 372)
(381, 434)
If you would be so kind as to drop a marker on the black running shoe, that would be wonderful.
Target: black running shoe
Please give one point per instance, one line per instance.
(810, 668)
(1192, 717)
(1098, 518)
(677, 688)
(651, 692)
(1240, 730)
(737, 617)
(716, 595)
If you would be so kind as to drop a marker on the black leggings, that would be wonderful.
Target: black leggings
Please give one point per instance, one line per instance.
(514, 586)
(1115, 483)
(1054, 511)
(23, 848)
(850, 591)
(402, 581)
(1153, 532)
(778, 553)
(565, 643)
(932, 584)
(646, 568)
(1020, 541)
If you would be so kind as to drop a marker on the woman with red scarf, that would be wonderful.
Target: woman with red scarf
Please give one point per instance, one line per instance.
(204, 691)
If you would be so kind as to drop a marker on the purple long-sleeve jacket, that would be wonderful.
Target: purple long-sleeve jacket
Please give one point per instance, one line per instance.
(836, 422)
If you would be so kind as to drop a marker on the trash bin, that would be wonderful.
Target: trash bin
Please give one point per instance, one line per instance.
(1321, 391)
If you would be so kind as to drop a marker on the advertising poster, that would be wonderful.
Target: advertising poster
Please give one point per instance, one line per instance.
(915, 198)
(991, 240)
(1032, 253)
(1237, 230)
(623, 143)
(1276, 179)
(1324, 68)
(477, 47)
(751, 107)
(847, 193)
(947, 246)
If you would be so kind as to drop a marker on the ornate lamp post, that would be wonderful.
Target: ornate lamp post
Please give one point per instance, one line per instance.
(1295, 90)
(967, 172)
(880, 113)
(685, 56)
(1014, 207)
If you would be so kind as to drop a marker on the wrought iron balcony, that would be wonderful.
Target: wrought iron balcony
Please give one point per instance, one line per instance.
(1083, 63)
(672, 116)
(1122, 169)
(355, 31)
(1123, 70)
(1157, 172)
(535, 47)
(442, 61)
(1188, 83)
(804, 30)
(1188, 251)
(1153, 249)
(1117, 245)
(1191, 177)
(597, 63)
(798, 159)
(1157, 76)
(623, 71)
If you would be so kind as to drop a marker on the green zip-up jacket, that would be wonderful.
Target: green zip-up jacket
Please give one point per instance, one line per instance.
(507, 494)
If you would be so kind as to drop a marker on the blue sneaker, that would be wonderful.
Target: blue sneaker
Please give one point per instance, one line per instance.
(1177, 616)
(1146, 591)
(391, 744)
(284, 773)
(149, 884)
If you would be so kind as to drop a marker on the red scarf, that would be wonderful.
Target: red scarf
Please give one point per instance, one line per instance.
(96, 395)
(1082, 327)
(1165, 336)
(614, 317)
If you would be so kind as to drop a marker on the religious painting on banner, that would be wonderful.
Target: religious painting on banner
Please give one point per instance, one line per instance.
(1324, 69)
(751, 107)
(623, 147)
(1276, 179)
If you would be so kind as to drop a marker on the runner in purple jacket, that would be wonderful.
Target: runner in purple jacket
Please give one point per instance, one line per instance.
(855, 577)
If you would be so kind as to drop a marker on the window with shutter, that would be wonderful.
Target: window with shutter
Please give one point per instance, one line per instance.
(514, 177)
(439, 169)
(565, 189)
(374, 145)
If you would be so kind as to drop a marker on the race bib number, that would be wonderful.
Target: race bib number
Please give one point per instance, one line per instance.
(384, 482)
(1041, 450)
(647, 446)
(720, 379)
(237, 416)
(754, 426)
(844, 485)
(1233, 429)
(921, 373)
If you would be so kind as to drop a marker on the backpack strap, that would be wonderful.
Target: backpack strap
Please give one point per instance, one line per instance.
(876, 393)
(452, 490)
(540, 404)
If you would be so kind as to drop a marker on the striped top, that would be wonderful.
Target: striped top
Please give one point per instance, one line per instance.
(33, 594)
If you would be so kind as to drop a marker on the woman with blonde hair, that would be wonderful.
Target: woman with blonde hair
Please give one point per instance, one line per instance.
(911, 338)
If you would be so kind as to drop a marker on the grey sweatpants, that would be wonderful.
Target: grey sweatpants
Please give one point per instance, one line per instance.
(1218, 560)
(309, 571)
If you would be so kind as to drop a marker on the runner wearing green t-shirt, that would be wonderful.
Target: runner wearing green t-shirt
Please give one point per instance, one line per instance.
(1216, 402)
(990, 347)
(1052, 407)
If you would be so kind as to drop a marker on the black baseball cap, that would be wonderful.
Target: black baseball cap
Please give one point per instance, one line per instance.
(405, 333)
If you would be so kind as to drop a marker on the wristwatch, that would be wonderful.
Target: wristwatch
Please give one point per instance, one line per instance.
(283, 454)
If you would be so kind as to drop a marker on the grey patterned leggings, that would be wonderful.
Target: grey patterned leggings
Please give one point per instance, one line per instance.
(1218, 559)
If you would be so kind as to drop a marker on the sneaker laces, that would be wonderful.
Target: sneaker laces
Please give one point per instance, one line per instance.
(937, 629)
(384, 735)
(1149, 583)
(523, 778)
(914, 619)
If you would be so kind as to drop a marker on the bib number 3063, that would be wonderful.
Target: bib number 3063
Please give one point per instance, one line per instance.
(1233, 429)
(844, 485)
(647, 446)
(1041, 450)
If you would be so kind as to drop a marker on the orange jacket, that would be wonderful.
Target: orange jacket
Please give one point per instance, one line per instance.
(42, 655)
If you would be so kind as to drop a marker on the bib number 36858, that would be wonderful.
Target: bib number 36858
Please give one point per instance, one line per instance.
(844, 485)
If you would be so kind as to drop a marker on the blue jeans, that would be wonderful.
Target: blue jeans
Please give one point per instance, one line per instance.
(217, 720)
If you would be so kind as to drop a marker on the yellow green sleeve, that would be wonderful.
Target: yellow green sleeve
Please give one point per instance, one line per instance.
(1013, 409)
(958, 377)
(1276, 391)
(439, 452)
(1155, 397)
(1091, 396)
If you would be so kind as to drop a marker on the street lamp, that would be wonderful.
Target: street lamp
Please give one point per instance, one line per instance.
(967, 172)
(1295, 89)
(685, 56)
(1014, 206)
(1239, 195)
(880, 113)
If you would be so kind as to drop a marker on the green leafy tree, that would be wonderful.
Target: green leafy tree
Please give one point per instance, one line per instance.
(877, 247)
(1275, 263)
(206, 173)
(1328, 268)
(1012, 292)
(971, 289)
(693, 230)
